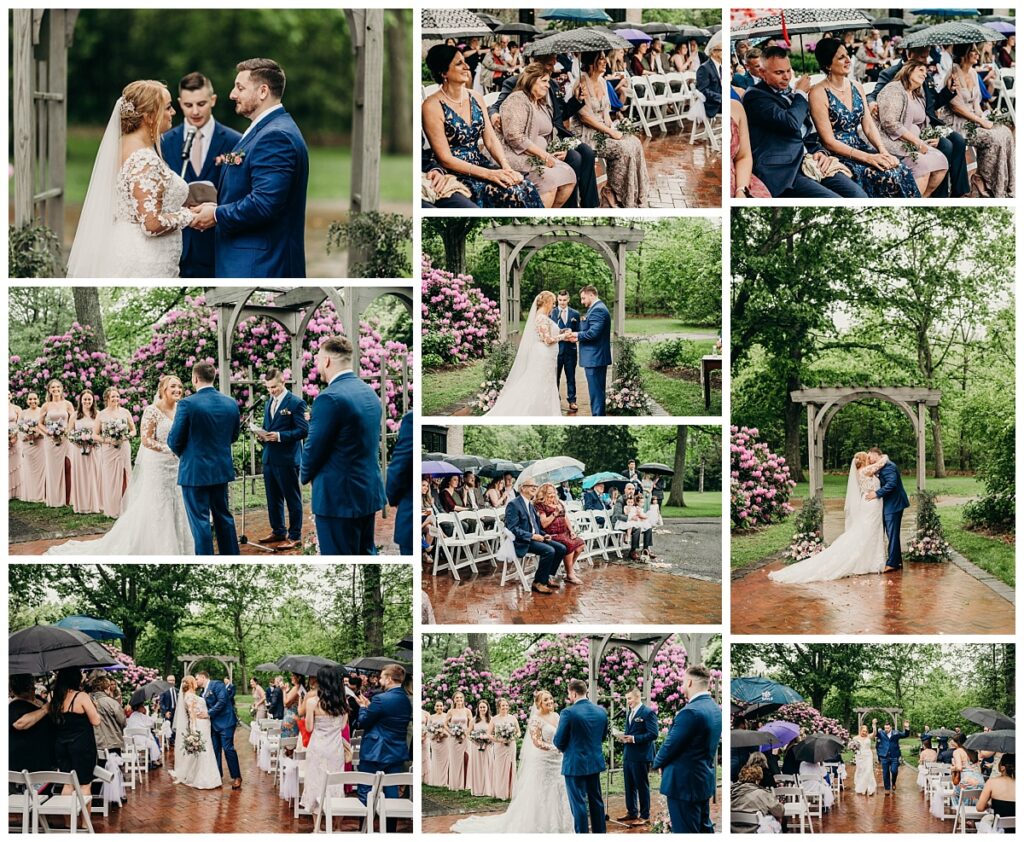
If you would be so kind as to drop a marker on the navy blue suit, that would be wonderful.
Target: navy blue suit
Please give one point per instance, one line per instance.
(595, 346)
(687, 763)
(637, 757)
(281, 462)
(522, 521)
(399, 485)
(592, 502)
(340, 460)
(261, 211)
(567, 351)
(889, 754)
(206, 424)
(709, 83)
(894, 501)
(168, 704)
(582, 728)
(385, 746)
(223, 719)
(197, 248)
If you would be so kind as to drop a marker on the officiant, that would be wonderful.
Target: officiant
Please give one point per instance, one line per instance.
(195, 146)
(285, 427)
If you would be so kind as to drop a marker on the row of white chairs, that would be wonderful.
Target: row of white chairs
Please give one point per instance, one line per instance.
(38, 808)
(663, 98)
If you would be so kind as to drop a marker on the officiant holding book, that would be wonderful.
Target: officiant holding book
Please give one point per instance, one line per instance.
(192, 150)
(285, 427)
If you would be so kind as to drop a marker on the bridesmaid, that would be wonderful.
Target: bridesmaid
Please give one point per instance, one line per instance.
(479, 762)
(13, 450)
(440, 754)
(115, 456)
(33, 459)
(57, 410)
(85, 467)
(457, 747)
(503, 761)
(424, 746)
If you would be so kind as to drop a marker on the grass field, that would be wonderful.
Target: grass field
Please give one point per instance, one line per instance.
(64, 519)
(708, 504)
(660, 324)
(677, 397)
(746, 549)
(442, 389)
(835, 486)
(990, 554)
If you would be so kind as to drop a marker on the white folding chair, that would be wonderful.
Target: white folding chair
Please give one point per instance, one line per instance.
(644, 106)
(428, 90)
(1006, 92)
(20, 801)
(393, 808)
(815, 800)
(661, 90)
(72, 807)
(1004, 823)
(283, 746)
(491, 98)
(794, 804)
(455, 548)
(965, 810)
(330, 806)
(472, 530)
(740, 820)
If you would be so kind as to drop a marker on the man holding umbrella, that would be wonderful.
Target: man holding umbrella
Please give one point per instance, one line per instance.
(889, 754)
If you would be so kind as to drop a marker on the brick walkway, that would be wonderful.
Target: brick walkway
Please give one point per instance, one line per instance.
(904, 812)
(162, 806)
(681, 175)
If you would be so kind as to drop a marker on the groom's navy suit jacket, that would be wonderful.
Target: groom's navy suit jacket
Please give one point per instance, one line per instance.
(291, 425)
(595, 337)
(261, 212)
(891, 491)
(206, 424)
(385, 727)
(888, 745)
(197, 249)
(399, 485)
(517, 521)
(687, 757)
(582, 728)
(218, 705)
(643, 728)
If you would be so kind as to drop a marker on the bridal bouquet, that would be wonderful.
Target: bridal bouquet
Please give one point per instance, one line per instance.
(458, 731)
(505, 732)
(12, 433)
(29, 429)
(115, 431)
(193, 743)
(853, 746)
(83, 438)
(435, 731)
(480, 739)
(55, 430)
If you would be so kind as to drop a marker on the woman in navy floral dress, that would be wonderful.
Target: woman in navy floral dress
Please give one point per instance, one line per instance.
(455, 122)
(848, 132)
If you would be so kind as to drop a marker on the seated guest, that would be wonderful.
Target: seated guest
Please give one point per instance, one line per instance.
(965, 761)
(902, 116)
(427, 522)
(498, 493)
(994, 145)
(812, 782)
(514, 60)
(472, 494)
(782, 140)
(760, 759)
(451, 497)
(749, 795)
(709, 78)
(636, 60)
(440, 190)
(1005, 57)
(141, 719)
(926, 756)
(744, 184)
(696, 51)
(554, 521)
(840, 116)
(593, 502)
(953, 146)
(866, 60)
(628, 183)
(625, 506)
(656, 58)
(1000, 792)
(682, 60)
(565, 492)
(496, 69)
(455, 121)
(527, 129)
(751, 68)
(435, 493)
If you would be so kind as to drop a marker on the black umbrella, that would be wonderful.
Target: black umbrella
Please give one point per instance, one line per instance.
(372, 664)
(490, 20)
(268, 667)
(517, 29)
(304, 664)
(500, 468)
(435, 457)
(817, 748)
(147, 691)
(1004, 741)
(941, 732)
(747, 739)
(890, 23)
(467, 462)
(657, 28)
(656, 468)
(41, 649)
(988, 718)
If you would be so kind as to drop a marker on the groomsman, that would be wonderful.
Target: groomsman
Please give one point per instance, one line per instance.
(640, 733)
(566, 318)
(275, 699)
(399, 485)
(284, 429)
(209, 140)
(169, 703)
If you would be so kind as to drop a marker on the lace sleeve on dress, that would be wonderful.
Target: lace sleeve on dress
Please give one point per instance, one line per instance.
(537, 735)
(545, 329)
(149, 177)
(150, 419)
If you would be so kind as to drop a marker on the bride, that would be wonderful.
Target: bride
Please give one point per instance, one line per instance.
(153, 519)
(540, 802)
(131, 222)
(864, 777)
(531, 387)
(198, 771)
(861, 547)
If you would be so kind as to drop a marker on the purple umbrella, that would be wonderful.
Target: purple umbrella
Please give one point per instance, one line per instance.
(634, 36)
(1002, 26)
(786, 732)
(438, 469)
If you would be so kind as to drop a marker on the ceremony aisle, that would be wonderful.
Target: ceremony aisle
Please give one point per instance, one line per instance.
(904, 812)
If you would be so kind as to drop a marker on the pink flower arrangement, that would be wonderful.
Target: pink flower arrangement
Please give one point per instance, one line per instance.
(760, 483)
(460, 323)
(133, 676)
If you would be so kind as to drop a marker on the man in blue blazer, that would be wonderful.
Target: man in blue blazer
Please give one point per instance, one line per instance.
(169, 704)
(206, 424)
(261, 207)
(567, 319)
(285, 428)
(399, 485)
(582, 728)
(341, 455)
(592, 502)
(709, 81)
(223, 719)
(209, 140)
(595, 343)
(522, 521)
(637, 755)
(887, 744)
(687, 757)
(894, 502)
(384, 721)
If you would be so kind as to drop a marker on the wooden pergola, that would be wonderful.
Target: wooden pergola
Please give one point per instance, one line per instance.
(893, 712)
(823, 404)
(228, 662)
(41, 39)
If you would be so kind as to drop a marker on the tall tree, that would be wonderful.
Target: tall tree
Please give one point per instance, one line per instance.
(812, 669)
(87, 312)
(398, 37)
(679, 466)
(373, 608)
(606, 448)
(479, 643)
(454, 231)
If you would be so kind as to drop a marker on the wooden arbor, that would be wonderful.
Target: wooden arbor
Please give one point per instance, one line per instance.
(893, 712)
(517, 245)
(228, 661)
(823, 404)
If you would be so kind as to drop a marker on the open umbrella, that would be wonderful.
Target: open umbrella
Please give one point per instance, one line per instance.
(585, 40)
(41, 649)
(147, 691)
(686, 32)
(656, 468)
(955, 32)
(500, 467)
(1002, 27)
(517, 29)
(589, 15)
(468, 462)
(451, 23)
(96, 629)
(757, 690)
(269, 667)
(800, 21)
(490, 20)
(438, 469)
(988, 718)
(304, 664)
(940, 732)
(1002, 741)
(658, 28)
(890, 23)
(784, 732)
(945, 13)
(817, 748)
(372, 664)
(995, 19)
(634, 36)
(553, 469)
(602, 477)
(748, 739)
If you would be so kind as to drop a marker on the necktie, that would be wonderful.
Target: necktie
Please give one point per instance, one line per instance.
(174, 698)
(197, 153)
(533, 521)
(274, 406)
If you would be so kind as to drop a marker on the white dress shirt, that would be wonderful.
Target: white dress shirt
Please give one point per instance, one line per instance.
(262, 116)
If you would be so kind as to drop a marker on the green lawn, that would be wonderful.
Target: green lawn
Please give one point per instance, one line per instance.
(637, 326)
(242, 708)
(708, 504)
(990, 554)
(751, 547)
(63, 519)
(443, 388)
(677, 397)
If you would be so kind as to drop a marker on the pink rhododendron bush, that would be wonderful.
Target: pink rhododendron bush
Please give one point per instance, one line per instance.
(811, 719)
(129, 675)
(760, 483)
(459, 322)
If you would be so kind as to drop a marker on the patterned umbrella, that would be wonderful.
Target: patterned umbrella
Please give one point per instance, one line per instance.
(584, 40)
(800, 21)
(592, 15)
(955, 32)
(554, 469)
(451, 23)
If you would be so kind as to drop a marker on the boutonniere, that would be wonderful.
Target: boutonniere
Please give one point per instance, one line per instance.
(229, 159)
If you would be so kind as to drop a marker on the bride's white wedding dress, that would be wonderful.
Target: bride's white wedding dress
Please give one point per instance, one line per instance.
(531, 387)
(153, 520)
(133, 215)
(860, 549)
(540, 802)
(198, 771)
(864, 777)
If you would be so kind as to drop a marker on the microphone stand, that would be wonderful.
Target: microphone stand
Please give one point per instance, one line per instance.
(249, 441)
(186, 150)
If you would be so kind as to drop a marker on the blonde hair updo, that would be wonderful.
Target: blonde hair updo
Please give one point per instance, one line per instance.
(141, 104)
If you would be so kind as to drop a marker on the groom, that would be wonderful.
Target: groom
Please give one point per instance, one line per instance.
(887, 744)
(206, 424)
(582, 728)
(595, 343)
(261, 210)
(894, 501)
(222, 725)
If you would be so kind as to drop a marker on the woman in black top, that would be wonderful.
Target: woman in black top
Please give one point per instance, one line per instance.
(75, 717)
(30, 732)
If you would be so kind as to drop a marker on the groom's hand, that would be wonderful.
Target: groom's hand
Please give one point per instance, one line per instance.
(205, 217)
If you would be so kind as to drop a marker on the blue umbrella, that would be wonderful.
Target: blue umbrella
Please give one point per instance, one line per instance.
(96, 629)
(438, 469)
(757, 690)
(594, 15)
(946, 13)
(600, 477)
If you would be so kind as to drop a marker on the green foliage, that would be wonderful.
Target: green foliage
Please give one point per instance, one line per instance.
(929, 541)
(676, 353)
(518, 444)
(693, 17)
(433, 347)
(627, 394)
(33, 251)
(997, 510)
(384, 236)
(601, 448)
(808, 539)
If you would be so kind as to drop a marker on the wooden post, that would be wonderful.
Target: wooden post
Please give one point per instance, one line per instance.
(23, 117)
(620, 291)
(922, 426)
(811, 461)
(57, 119)
(225, 330)
(503, 290)
(516, 316)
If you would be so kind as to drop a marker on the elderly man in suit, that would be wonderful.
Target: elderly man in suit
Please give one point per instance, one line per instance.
(687, 757)
(709, 78)
(284, 429)
(637, 755)
(399, 485)
(522, 521)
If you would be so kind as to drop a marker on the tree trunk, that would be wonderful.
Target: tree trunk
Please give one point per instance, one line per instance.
(399, 94)
(168, 656)
(453, 235)
(793, 415)
(679, 466)
(700, 481)
(939, 456)
(87, 313)
(373, 609)
(478, 643)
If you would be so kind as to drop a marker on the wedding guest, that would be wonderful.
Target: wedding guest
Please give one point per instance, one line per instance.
(555, 522)
(503, 758)
(355, 686)
(625, 516)
(927, 755)
(683, 60)
(966, 771)
(85, 494)
(744, 184)
(841, 117)
(994, 144)
(451, 498)
(760, 759)
(565, 492)
(284, 430)
(329, 751)
(709, 78)
(13, 451)
(110, 730)
(472, 494)
(638, 61)
(440, 751)
(514, 59)
(259, 700)
(639, 735)
(169, 703)
(384, 722)
(399, 485)
(455, 122)
(1000, 792)
(499, 494)
(292, 693)
(478, 760)
(495, 66)
(57, 413)
(1007, 51)
(628, 181)
(75, 718)
(866, 60)
(523, 521)
(752, 67)
(812, 781)
(275, 699)
(139, 718)
(657, 61)
(593, 502)
(474, 53)
(115, 455)
(631, 472)
(31, 732)
(462, 716)
(427, 522)
(749, 795)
